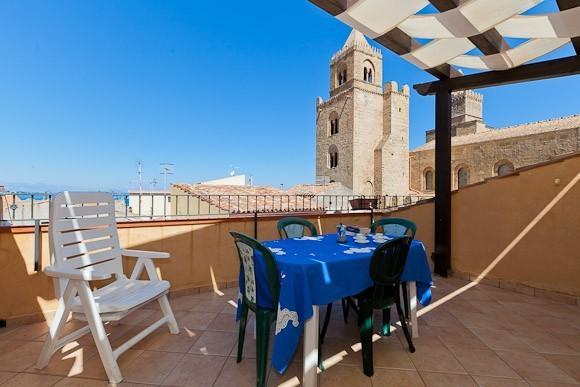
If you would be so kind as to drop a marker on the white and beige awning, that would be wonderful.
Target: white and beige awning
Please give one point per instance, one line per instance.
(459, 28)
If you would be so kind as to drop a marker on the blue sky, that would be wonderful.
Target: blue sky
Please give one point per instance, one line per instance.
(87, 88)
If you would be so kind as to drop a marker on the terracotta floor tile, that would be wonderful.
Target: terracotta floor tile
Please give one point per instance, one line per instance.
(26, 332)
(224, 323)
(484, 362)
(532, 366)
(194, 320)
(229, 309)
(388, 377)
(557, 325)
(545, 342)
(292, 375)
(164, 341)
(71, 360)
(20, 358)
(340, 375)
(138, 317)
(213, 306)
(389, 353)
(216, 343)
(32, 380)
(491, 381)
(440, 318)
(500, 339)
(438, 359)
(437, 379)
(79, 382)
(4, 376)
(93, 367)
(551, 384)
(569, 364)
(193, 370)
(183, 303)
(237, 374)
(151, 367)
(459, 338)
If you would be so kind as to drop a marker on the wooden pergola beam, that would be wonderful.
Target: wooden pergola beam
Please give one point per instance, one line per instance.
(531, 72)
(395, 40)
(490, 42)
(567, 4)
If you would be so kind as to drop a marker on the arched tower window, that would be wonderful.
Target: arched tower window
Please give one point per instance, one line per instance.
(332, 157)
(429, 179)
(341, 76)
(503, 167)
(462, 176)
(368, 71)
(333, 123)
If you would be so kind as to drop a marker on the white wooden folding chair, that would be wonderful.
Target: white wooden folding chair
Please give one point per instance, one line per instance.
(85, 247)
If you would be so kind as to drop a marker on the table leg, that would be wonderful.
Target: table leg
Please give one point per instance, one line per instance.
(310, 363)
(413, 308)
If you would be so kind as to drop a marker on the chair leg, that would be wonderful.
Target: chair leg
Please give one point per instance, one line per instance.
(242, 332)
(405, 298)
(60, 317)
(404, 325)
(262, 340)
(344, 310)
(326, 322)
(365, 323)
(168, 312)
(99, 334)
(386, 322)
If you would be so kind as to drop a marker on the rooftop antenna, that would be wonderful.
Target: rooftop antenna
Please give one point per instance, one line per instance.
(152, 184)
(233, 171)
(140, 176)
(166, 169)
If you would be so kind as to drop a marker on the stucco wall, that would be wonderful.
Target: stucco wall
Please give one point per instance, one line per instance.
(486, 217)
(195, 247)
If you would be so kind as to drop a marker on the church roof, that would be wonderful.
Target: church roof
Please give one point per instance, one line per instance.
(356, 38)
(551, 125)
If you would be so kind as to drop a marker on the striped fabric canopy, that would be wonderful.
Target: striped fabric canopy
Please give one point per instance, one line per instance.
(449, 37)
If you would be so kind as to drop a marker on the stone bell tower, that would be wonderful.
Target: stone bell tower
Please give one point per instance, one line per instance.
(350, 123)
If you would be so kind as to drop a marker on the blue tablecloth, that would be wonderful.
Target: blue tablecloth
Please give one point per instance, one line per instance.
(318, 271)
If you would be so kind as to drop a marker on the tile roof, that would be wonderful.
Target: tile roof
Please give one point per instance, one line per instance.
(551, 125)
(246, 198)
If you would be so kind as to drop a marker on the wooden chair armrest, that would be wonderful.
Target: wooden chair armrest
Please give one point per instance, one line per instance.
(145, 254)
(76, 274)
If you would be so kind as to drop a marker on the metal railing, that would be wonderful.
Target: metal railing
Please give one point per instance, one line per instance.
(24, 208)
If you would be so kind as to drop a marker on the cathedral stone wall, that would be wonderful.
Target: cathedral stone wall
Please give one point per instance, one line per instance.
(482, 158)
(342, 106)
(368, 125)
(392, 152)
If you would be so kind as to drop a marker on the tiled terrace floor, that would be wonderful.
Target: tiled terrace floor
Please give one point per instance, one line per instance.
(483, 337)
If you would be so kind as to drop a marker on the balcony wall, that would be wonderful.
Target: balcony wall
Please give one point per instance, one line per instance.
(488, 216)
(197, 248)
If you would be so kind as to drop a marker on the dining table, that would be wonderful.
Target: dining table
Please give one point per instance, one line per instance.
(318, 270)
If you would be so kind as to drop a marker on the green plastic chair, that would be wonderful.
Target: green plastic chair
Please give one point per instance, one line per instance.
(386, 268)
(395, 227)
(293, 227)
(246, 247)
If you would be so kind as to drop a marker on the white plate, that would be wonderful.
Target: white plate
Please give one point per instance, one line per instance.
(362, 242)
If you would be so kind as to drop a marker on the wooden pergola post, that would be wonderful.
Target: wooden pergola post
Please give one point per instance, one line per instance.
(442, 253)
